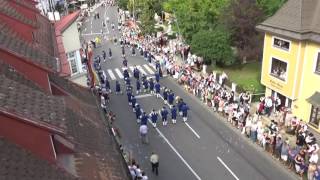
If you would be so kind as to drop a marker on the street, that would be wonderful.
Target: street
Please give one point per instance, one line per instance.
(206, 147)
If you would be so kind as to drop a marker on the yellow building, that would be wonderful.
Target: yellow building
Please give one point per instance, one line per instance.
(291, 58)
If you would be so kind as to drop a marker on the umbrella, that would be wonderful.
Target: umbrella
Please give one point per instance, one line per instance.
(73, 2)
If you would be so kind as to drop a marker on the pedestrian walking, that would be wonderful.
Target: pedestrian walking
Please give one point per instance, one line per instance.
(118, 88)
(165, 95)
(110, 53)
(164, 115)
(144, 118)
(154, 159)
(134, 102)
(151, 86)
(157, 88)
(104, 55)
(174, 114)
(138, 112)
(170, 98)
(133, 50)
(125, 62)
(157, 76)
(143, 133)
(184, 110)
(145, 85)
(123, 51)
(154, 117)
(136, 72)
(138, 86)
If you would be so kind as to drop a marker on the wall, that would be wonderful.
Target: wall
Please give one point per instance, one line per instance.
(70, 38)
(30, 137)
(30, 71)
(291, 57)
(310, 82)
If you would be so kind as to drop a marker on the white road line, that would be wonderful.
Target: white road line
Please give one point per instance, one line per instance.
(130, 75)
(143, 96)
(131, 68)
(119, 73)
(112, 76)
(141, 70)
(187, 124)
(177, 153)
(192, 130)
(227, 168)
(148, 68)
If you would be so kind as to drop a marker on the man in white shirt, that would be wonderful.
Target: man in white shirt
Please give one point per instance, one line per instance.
(268, 105)
(143, 133)
(154, 159)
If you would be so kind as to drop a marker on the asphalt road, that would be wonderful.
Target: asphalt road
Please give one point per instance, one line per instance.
(205, 148)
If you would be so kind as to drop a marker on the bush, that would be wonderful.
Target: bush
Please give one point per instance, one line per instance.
(159, 29)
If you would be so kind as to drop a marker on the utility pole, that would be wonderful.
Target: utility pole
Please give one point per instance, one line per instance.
(133, 13)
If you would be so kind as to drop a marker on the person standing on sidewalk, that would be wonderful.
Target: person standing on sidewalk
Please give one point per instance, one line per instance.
(154, 159)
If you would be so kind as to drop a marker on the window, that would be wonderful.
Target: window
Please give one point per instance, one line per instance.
(279, 69)
(73, 62)
(282, 44)
(315, 116)
(318, 64)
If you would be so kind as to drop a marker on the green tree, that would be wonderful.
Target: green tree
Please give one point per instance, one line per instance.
(123, 4)
(214, 46)
(241, 18)
(193, 16)
(269, 7)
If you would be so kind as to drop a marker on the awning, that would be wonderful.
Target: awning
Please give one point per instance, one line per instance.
(315, 99)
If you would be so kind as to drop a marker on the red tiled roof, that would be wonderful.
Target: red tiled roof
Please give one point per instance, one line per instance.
(77, 116)
(66, 21)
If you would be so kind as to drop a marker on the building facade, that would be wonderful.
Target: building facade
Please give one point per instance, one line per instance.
(291, 58)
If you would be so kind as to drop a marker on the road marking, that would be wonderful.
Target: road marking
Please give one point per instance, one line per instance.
(131, 68)
(143, 96)
(130, 75)
(112, 76)
(119, 73)
(148, 69)
(177, 153)
(141, 70)
(187, 124)
(192, 130)
(227, 168)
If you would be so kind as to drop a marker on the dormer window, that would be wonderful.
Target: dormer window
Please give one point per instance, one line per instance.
(281, 44)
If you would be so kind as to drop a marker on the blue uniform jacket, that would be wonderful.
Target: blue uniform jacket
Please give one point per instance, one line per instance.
(154, 117)
(174, 113)
(157, 87)
(117, 87)
(144, 119)
(164, 113)
(184, 110)
(138, 111)
(165, 95)
(138, 85)
(170, 98)
(151, 84)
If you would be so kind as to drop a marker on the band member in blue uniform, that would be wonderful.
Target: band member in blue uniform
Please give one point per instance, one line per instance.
(104, 55)
(164, 115)
(170, 98)
(185, 109)
(136, 73)
(138, 112)
(151, 86)
(138, 86)
(165, 95)
(129, 94)
(157, 88)
(157, 76)
(144, 119)
(133, 102)
(174, 114)
(154, 118)
(125, 62)
(145, 85)
(118, 88)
